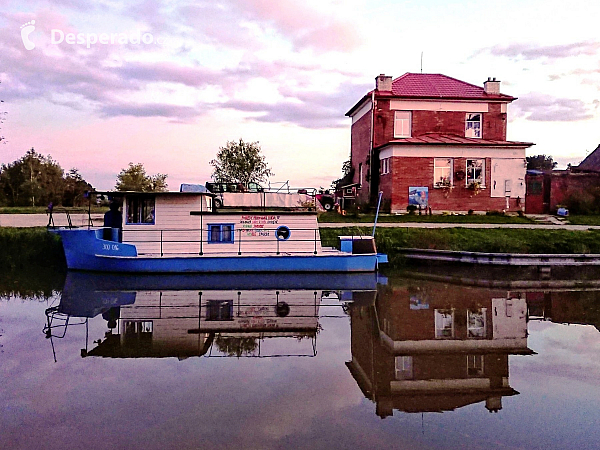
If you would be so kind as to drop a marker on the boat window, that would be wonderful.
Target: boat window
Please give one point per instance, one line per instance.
(140, 210)
(219, 310)
(220, 233)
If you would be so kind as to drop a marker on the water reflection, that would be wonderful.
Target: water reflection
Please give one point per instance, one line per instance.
(297, 360)
(436, 347)
(185, 316)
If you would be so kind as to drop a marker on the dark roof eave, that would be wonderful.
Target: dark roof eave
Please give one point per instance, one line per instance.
(460, 144)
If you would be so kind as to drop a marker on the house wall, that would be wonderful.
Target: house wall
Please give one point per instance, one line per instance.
(359, 151)
(444, 121)
(446, 117)
(408, 172)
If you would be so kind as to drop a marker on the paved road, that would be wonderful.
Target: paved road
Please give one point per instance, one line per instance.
(41, 220)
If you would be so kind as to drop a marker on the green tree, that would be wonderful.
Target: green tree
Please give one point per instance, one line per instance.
(540, 162)
(348, 174)
(134, 178)
(74, 188)
(33, 180)
(240, 162)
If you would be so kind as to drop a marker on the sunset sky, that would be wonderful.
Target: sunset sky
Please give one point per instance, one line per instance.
(280, 72)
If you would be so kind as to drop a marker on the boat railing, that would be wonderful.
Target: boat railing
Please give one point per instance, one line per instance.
(254, 240)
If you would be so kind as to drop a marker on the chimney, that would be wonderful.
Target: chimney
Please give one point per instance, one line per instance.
(491, 86)
(383, 83)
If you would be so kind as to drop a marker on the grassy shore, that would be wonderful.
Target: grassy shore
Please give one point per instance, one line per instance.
(24, 248)
(494, 240)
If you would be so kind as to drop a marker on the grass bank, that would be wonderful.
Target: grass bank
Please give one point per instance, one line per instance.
(494, 240)
(25, 248)
(437, 218)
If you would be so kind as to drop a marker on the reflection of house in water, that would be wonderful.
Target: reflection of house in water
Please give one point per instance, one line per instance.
(186, 323)
(436, 348)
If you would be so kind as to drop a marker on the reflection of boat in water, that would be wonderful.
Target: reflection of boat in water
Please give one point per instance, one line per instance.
(195, 315)
(435, 347)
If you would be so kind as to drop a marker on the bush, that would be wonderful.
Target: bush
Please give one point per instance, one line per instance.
(411, 209)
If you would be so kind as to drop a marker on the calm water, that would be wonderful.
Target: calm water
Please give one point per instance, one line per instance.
(266, 362)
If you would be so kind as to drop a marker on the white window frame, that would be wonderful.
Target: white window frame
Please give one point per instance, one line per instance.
(439, 164)
(473, 127)
(385, 166)
(477, 323)
(475, 365)
(402, 124)
(471, 179)
(444, 323)
(404, 367)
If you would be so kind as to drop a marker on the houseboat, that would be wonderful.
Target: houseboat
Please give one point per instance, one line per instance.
(183, 232)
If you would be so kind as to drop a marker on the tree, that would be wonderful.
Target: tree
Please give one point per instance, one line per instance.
(74, 189)
(32, 180)
(541, 162)
(346, 178)
(240, 162)
(134, 178)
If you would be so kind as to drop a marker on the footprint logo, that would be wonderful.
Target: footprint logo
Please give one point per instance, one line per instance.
(26, 30)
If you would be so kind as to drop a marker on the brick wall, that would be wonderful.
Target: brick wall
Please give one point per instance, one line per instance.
(447, 122)
(410, 171)
(566, 184)
(359, 150)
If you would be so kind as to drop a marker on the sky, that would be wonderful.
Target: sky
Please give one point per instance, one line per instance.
(166, 83)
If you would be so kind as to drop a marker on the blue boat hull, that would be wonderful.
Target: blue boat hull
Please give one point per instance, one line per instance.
(85, 251)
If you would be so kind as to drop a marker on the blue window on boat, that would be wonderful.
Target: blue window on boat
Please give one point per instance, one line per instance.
(140, 210)
(220, 233)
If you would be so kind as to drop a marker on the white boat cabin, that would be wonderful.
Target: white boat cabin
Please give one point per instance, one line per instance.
(185, 223)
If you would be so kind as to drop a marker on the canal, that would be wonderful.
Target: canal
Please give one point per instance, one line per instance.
(405, 360)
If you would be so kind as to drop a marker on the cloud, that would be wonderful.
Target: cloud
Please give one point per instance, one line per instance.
(180, 113)
(241, 24)
(546, 108)
(309, 109)
(532, 51)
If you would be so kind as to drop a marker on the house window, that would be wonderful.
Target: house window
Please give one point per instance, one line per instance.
(444, 323)
(385, 166)
(360, 176)
(476, 323)
(140, 210)
(475, 171)
(473, 125)
(221, 233)
(475, 365)
(442, 172)
(402, 124)
(404, 368)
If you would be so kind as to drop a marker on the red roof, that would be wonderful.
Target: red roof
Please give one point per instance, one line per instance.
(451, 139)
(435, 85)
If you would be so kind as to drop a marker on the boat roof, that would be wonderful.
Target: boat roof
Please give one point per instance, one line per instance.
(185, 189)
